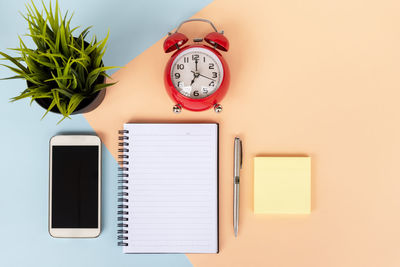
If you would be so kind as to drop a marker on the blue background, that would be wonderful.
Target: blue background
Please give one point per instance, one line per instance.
(24, 238)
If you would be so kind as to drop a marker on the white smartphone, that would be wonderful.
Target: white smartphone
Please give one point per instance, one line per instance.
(75, 186)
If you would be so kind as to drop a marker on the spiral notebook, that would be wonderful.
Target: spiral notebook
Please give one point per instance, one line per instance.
(168, 188)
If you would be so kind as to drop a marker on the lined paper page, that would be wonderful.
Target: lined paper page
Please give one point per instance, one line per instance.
(173, 188)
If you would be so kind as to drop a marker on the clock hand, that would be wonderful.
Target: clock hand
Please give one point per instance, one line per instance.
(198, 74)
(194, 78)
(196, 64)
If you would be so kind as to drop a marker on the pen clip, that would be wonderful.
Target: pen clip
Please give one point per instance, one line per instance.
(241, 153)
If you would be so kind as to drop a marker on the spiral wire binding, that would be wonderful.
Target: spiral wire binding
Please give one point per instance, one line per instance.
(123, 187)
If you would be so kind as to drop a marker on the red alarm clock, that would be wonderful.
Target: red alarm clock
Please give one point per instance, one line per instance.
(196, 76)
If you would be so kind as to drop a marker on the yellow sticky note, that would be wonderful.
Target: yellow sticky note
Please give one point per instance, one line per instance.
(282, 185)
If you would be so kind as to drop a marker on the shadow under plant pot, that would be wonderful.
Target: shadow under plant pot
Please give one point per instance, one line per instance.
(87, 105)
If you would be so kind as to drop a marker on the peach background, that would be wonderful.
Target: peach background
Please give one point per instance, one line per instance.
(319, 78)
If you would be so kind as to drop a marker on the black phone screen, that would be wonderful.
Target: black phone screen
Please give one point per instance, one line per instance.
(75, 182)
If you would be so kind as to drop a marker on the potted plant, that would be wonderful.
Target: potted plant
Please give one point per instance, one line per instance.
(64, 73)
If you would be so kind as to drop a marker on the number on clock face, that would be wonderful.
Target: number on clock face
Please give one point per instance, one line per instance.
(196, 72)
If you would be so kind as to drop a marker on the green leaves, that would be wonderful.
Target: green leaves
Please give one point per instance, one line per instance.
(15, 61)
(61, 67)
(76, 99)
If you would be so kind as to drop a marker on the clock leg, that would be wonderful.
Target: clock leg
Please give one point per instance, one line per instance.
(217, 108)
(177, 109)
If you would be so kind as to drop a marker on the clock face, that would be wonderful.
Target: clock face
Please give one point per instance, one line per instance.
(197, 72)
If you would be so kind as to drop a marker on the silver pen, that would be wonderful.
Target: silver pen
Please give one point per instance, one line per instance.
(236, 179)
